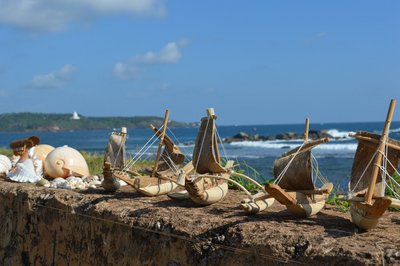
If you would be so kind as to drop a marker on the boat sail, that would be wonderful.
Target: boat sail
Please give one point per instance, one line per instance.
(209, 183)
(296, 173)
(375, 161)
(166, 174)
(114, 159)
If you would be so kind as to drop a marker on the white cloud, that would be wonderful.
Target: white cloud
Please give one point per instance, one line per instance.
(53, 79)
(125, 71)
(50, 15)
(169, 54)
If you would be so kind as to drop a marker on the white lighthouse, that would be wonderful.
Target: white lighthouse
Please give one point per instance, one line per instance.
(75, 116)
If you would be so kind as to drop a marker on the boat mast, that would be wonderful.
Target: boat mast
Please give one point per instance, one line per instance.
(161, 142)
(306, 130)
(211, 113)
(378, 158)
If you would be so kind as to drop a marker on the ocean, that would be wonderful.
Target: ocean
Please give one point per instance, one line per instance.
(334, 158)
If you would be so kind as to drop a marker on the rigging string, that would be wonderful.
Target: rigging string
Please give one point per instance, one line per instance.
(172, 235)
(317, 172)
(393, 182)
(365, 170)
(222, 145)
(169, 162)
(120, 148)
(137, 158)
(202, 142)
(139, 154)
(278, 179)
(185, 152)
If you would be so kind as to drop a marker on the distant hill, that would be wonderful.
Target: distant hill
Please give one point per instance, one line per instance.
(61, 122)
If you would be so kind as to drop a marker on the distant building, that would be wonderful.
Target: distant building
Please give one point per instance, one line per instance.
(75, 116)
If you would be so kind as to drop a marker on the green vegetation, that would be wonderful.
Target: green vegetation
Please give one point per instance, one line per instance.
(55, 122)
(390, 193)
(340, 205)
(246, 169)
(6, 152)
(95, 163)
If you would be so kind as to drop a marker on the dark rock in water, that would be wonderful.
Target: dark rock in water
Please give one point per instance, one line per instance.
(242, 136)
(315, 134)
(288, 136)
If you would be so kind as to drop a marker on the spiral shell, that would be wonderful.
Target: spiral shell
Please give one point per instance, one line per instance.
(64, 162)
(5, 164)
(41, 151)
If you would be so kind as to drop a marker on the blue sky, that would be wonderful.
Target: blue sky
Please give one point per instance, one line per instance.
(255, 62)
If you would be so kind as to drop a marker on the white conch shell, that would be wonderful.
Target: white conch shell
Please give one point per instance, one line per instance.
(40, 151)
(25, 172)
(65, 161)
(5, 164)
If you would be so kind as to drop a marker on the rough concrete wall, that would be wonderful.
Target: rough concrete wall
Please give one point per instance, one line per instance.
(38, 228)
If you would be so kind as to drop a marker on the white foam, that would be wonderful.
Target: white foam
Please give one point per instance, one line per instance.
(339, 134)
(281, 145)
(396, 130)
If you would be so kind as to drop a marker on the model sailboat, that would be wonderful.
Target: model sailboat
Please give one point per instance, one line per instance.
(295, 179)
(209, 183)
(166, 173)
(376, 160)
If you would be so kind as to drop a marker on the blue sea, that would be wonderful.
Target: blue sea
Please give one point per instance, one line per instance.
(334, 158)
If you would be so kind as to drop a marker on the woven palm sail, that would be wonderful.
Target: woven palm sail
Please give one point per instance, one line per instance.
(205, 159)
(115, 151)
(360, 176)
(298, 175)
(171, 151)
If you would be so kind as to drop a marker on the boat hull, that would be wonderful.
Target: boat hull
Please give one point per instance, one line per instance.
(300, 204)
(367, 216)
(150, 186)
(256, 206)
(306, 210)
(210, 196)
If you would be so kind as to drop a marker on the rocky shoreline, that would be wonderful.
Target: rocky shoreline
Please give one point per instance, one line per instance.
(48, 226)
(312, 134)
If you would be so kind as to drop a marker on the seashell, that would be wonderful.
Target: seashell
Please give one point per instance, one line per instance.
(40, 151)
(65, 161)
(59, 183)
(24, 172)
(5, 164)
(15, 159)
(43, 183)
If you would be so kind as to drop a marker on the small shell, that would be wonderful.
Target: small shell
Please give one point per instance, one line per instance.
(43, 183)
(60, 183)
(5, 164)
(25, 172)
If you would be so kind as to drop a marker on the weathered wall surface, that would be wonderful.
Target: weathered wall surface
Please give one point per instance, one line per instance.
(49, 227)
(40, 226)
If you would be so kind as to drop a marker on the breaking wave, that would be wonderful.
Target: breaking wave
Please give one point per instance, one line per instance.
(286, 145)
(396, 130)
(339, 134)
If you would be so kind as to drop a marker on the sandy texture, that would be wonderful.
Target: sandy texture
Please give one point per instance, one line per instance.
(45, 226)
